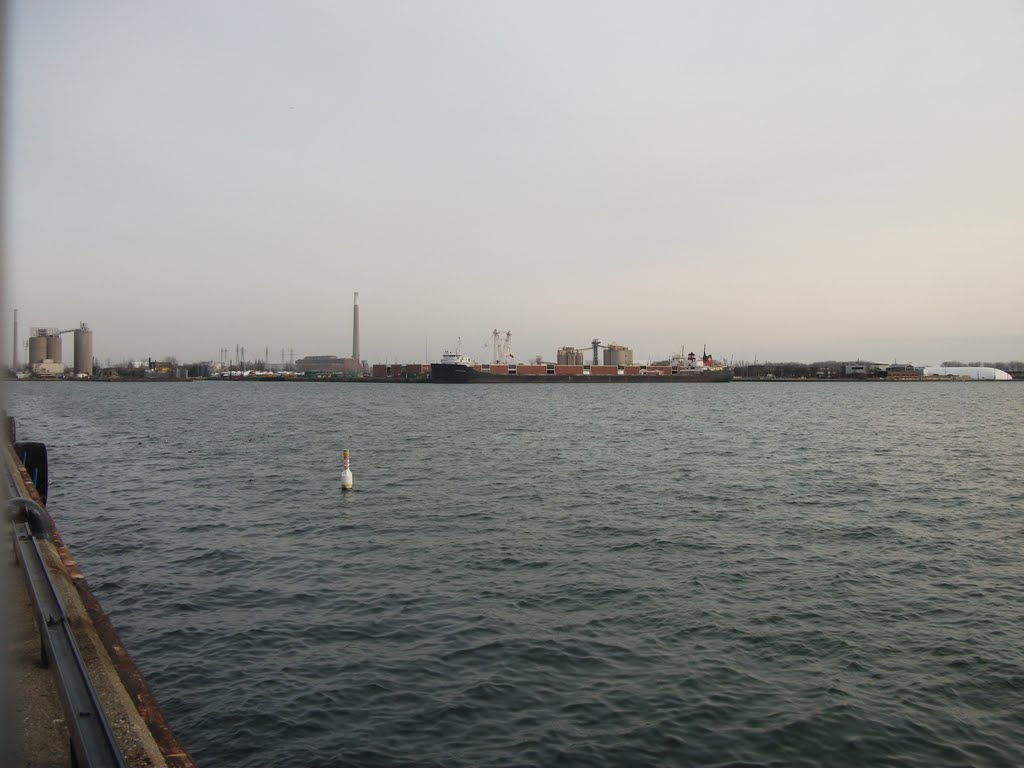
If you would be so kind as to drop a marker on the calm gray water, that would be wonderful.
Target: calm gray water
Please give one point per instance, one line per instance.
(819, 574)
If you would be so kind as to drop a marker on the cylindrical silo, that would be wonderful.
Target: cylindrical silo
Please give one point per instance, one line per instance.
(616, 354)
(53, 348)
(36, 349)
(83, 351)
(569, 356)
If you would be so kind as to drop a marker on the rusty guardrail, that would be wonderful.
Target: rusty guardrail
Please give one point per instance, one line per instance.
(141, 733)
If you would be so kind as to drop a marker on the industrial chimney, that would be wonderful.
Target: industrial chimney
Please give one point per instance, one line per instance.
(355, 329)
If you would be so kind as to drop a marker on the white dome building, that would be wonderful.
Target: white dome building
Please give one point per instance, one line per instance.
(974, 372)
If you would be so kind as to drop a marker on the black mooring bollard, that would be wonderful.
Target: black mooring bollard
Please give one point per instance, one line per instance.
(33, 456)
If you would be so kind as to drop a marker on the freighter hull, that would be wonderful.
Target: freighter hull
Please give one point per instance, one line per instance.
(452, 373)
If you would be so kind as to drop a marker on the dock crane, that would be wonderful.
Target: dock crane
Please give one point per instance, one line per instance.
(501, 346)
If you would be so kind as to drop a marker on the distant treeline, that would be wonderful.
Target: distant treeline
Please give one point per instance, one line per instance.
(1012, 365)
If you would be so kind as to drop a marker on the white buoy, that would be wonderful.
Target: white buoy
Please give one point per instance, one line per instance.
(346, 475)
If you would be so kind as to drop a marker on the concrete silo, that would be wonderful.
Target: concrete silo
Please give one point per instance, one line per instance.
(37, 348)
(616, 354)
(53, 348)
(83, 351)
(569, 356)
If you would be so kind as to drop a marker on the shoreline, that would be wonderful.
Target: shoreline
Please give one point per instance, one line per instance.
(522, 380)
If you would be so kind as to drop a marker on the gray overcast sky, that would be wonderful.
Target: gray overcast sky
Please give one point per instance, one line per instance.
(791, 180)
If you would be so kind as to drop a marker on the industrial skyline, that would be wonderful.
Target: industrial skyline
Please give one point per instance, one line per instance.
(43, 353)
(796, 181)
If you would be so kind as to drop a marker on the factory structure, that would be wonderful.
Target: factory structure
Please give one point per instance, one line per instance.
(46, 354)
(614, 354)
(353, 366)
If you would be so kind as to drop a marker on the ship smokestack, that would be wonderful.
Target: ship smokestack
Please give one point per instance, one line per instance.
(355, 329)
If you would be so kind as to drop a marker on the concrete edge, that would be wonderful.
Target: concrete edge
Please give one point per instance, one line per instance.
(142, 731)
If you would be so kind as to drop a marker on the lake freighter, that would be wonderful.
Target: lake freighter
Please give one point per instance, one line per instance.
(457, 368)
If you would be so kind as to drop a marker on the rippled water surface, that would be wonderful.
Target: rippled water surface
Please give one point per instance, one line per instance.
(816, 574)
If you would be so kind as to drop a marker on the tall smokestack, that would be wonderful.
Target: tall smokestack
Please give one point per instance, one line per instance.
(355, 328)
(14, 363)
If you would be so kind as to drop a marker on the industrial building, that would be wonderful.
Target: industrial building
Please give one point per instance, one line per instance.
(410, 371)
(614, 354)
(569, 356)
(327, 364)
(352, 366)
(45, 351)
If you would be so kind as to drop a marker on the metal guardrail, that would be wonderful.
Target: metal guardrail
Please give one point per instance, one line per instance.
(92, 742)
